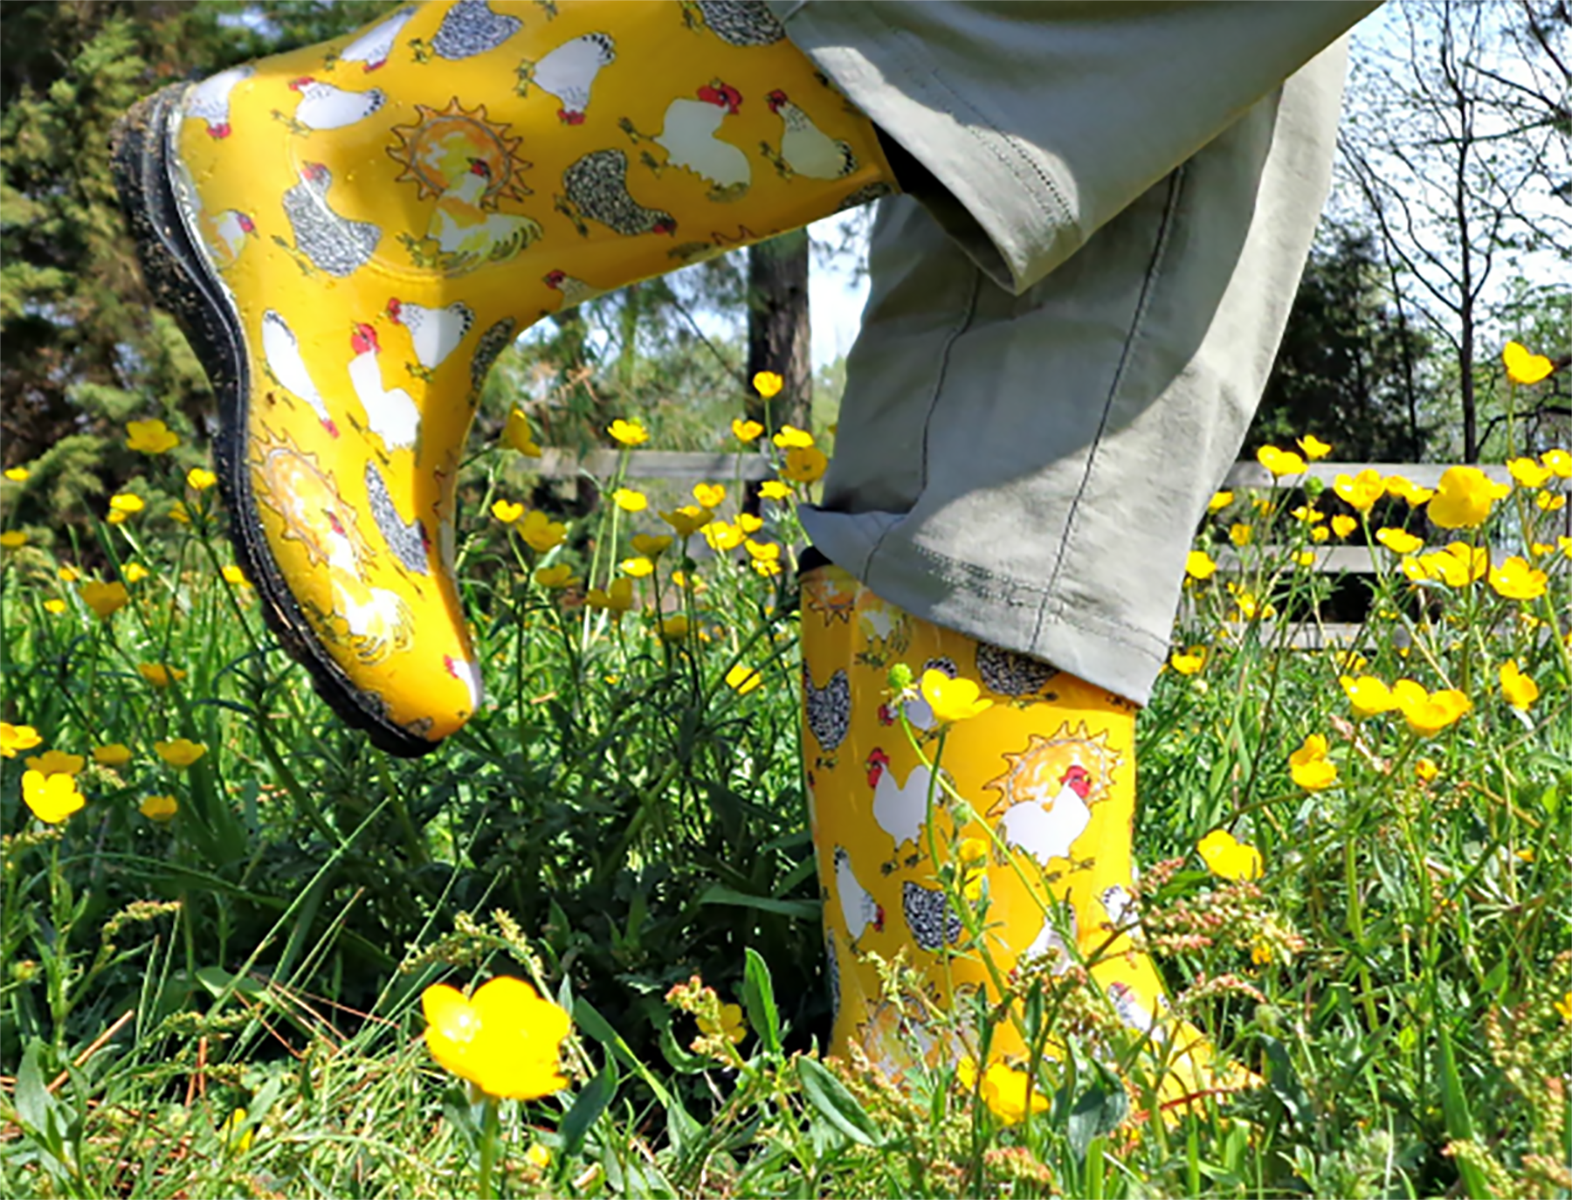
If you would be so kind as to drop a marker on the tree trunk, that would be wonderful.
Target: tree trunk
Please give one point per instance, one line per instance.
(778, 334)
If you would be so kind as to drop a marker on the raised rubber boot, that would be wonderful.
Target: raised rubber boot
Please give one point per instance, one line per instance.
(351, 233)
(1048, 767)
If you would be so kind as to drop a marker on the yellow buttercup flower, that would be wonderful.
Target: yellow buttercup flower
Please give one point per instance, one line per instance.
(1524, 367)
(519, 435)
(234, 576)
(1219, 501)
(743, 679)
(1528, 473)
(1360, 491)
(1313, 447)
(804, 465)
(709, 495)
(126, 502)
(180, 753)
(1519, 689)
(1516, 580)
(1304, 558)
(1399, 541)
(13, 539)
(688, 519)
(1368, 695)
(1464, 499)
(749, 523)
(768, 384)
(160, 675)
(629, 433)
(1550, 501)
(1005, 1091)
(68, 574)
(675, 628)
(650, 545)
(18, 474)
(1198, 564)
(1343, 525)
(616, 597)
(1559, 461)
(1190, 662)
(199, 480)
(762, 551)
(952, 699)
(1280, 462)
(791, 438)
(1458, 565)
(1320, 533)
(178, 513)
(53, 798)
(1563, 1008)
(105, 599)
(746, 431)
(638, 568)
(541, 533)
(1240, 534)
(697, 586)
(1428, 713)
(722, 536)
(629, 500)
(159, 808)
(57, 762)
(134, 572)
(507, 511)
(1405, 489)
(774, 489)
(16, 738)
(114, 754)
(1426, 770)
(1307, 514)
(556, 577)
(151, 437)
(1309, 766)
(730, 1025)
(55, 606)
(506, 1040)
(1228, 858)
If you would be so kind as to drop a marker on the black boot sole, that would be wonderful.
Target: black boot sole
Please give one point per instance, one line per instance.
(182, 281)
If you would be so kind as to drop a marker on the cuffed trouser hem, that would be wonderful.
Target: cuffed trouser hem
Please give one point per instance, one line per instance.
(1028, 467)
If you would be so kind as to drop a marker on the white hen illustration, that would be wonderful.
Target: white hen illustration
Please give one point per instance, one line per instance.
(1046, 829)
(568, 73)
(688, 136)
(861, 911)
(390, 413)
(323, 106)
(371, 49)
(900, 809)
(282, 351)
(433, 332)
(209, 100)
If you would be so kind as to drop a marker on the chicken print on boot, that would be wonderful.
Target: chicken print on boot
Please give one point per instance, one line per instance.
(930, 917)
(805, 149)
(434, 333)
(1046, 829)
(209, 100)
(225, 235)
(469, 28)
(860, 910)
(1133, 1014)
(596, 189)
(568, 72)
(573, 291)
(688, 135)
(331, 242)
(371, 49)
(323, 106)
(390, 414)
(901, 810)
(467, 236)
(288, 368)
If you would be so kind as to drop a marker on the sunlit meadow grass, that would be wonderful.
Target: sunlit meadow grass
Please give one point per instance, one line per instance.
(213, 968)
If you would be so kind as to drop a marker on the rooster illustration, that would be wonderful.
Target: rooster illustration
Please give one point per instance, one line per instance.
(573, 291)
(371, 49)
(323, 106)
(281, 350)
(568, 72)
(596, 188)
(225, 234)
(901, 810)
(407, 539)
(468, 28)
(1046, 829)
(861, 911)
(805, 149)
(467, 672)
(331, 242)
(735, 22)
(466, 234)
(929, 916)
(377, 620)
(433, 332)
(209, 100)
(688, 137)
(391, 414)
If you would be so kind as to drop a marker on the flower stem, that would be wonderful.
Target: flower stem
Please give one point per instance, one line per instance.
(489, 1141)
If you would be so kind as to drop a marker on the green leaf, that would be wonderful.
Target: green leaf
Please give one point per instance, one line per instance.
(1095, 1114)
(220, 982)
(835, 1104)
(758, 993)
(1459, 1120)
(804, 910)
(33, 1101)
(587, 1109)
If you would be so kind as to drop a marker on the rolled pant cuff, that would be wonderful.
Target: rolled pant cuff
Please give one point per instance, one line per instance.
(990, 607)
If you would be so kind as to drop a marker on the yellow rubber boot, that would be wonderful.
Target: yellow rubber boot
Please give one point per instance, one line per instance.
(352, 232)
(1049, 769)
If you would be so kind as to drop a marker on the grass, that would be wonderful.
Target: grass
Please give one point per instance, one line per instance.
(227, 1001)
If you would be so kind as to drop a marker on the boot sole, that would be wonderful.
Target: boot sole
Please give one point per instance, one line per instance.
(182, 280)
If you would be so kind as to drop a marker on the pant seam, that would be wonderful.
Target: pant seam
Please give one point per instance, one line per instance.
(1137, 328)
